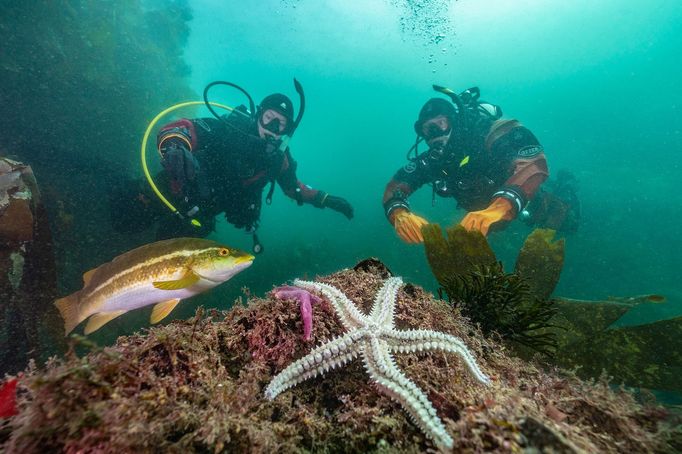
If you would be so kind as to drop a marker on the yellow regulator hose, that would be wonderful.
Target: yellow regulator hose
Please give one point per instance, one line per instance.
(143, 152)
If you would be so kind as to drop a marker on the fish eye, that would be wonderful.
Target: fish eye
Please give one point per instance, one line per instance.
(223, 252)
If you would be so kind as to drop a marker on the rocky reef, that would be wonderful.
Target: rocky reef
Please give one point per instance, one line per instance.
(198, 386)
(28, 283)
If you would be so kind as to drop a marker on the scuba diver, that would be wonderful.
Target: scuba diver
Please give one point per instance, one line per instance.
(222, 165)
(490, 166)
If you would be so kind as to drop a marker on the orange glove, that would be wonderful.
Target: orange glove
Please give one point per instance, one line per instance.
(408, 225)
(500, 209)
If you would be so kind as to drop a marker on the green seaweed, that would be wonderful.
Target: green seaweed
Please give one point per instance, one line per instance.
(541, 261)
(458, 254)
(504, 304)
(475, 283)
(568, 333)
(640, 356)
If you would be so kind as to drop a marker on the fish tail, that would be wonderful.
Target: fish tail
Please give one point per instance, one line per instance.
(69, 308)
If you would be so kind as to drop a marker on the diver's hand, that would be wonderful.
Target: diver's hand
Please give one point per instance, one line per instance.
(499, 210)
(180, 164)
(408, 225)
(339, 204)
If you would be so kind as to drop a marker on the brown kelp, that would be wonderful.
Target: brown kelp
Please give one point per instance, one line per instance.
(508, 304)
(198, 386)
(540, 262)
(569, 333)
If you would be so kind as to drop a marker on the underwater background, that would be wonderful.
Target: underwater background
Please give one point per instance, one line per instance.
(597, 82)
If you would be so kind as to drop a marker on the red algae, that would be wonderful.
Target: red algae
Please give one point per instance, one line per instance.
(197, 386)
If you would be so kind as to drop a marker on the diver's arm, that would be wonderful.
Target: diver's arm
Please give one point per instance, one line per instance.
(528, 164)
(528, 170)
(175, 143)
(303, 193)
(528, 174)
(396, 207)
(294, 188)
(405, 181)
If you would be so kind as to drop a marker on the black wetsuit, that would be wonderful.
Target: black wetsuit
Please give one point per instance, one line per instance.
(235, 165)
(491, 159)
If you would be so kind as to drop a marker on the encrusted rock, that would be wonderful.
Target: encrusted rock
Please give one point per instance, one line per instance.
(28, 320)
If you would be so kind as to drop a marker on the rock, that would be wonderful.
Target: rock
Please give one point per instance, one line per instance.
(29, 323)
(198, 386)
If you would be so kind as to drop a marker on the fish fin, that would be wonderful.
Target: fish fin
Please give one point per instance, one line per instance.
(70, 311)
(87, 276)
(98, 320)
(187, 280)
(161, 310)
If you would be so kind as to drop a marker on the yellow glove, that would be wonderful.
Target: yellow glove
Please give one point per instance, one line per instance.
(408, 225)
(500, 209)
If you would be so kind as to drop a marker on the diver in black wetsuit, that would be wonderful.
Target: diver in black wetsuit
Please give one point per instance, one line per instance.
(490, 166)
(214, 166)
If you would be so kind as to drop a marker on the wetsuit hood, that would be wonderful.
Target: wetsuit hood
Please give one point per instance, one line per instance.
(433, 108)
(279, 103)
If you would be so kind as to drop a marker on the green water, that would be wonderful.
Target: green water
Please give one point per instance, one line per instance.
(597, 82)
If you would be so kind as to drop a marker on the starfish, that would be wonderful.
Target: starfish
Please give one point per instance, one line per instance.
(375, 338)
(304, 298)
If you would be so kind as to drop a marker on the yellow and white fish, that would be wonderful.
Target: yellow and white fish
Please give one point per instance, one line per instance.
(160, 273)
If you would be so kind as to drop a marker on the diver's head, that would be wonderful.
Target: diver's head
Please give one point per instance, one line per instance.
(275, 116)
(435, 122)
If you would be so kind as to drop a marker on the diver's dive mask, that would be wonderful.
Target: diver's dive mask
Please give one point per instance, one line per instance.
(436, 131)
(271, 123)
(432, 131)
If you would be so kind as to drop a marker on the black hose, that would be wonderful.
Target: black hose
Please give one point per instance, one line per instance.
(252, 105)
(301, 107)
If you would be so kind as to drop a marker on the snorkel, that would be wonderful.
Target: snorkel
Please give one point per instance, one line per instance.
(301, 109)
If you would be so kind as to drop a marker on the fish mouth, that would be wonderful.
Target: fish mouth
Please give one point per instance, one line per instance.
(244, 258)
(240, 263)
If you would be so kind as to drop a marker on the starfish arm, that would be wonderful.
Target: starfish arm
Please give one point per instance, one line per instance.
(383, 308)
(426, 340)
(383, 370)
(350, 316)
(319, 361)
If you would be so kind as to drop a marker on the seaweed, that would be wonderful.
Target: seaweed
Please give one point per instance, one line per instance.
(511, 305)
(197, 386)
(540, 261)
(457, 254)
(504, 304)
(576, 335)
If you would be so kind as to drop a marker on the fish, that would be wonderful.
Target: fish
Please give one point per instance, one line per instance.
(161, 273)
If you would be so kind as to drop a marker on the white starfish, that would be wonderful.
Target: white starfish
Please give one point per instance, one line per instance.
(375, 338)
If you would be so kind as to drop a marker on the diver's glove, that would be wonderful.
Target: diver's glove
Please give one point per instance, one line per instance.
(500, 209)
(180, 164)
(338, 204)
(408, 225)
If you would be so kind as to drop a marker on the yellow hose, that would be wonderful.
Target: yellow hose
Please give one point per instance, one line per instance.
(143, 152)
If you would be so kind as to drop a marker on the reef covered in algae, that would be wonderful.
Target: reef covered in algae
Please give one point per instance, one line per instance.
(197, 386)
